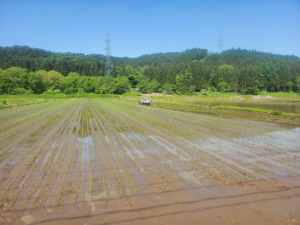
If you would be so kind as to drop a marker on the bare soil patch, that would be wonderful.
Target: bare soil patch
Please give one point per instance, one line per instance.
(263, 97)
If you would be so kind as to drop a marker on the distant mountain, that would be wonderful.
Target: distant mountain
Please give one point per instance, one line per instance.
(263, 70)
(36, 59)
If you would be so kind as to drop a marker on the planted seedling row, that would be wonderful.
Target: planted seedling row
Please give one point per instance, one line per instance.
(45, 168)
(120, 159)
(26, 131)
(22, 153)
(248, 151)
(135, 116)
(61, 190)
(75, 194)
(155, 174)
(90, 153)
(22, 120)
(125, 166)
(106, 147)
(159, 160)
(56, 167)
(104, 182)
(25, 166)
(28, 164)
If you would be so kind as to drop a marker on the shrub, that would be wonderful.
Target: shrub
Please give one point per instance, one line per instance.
(211, 89)
(276, 113)
(21, 91)
(81, 91)
(255, 91)
(132, 94)
(52, 92)
(4, 102)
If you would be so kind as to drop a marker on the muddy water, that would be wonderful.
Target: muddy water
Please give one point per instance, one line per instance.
(187, 169)
(86, 142)
(262, 156)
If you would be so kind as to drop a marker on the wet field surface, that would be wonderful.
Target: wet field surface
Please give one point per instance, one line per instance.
(290, 107)
(116, 162)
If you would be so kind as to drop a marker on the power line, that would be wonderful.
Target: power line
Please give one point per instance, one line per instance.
(108, 64)
(221, 41)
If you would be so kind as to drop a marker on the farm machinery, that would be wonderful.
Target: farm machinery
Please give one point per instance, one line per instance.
(145, 101)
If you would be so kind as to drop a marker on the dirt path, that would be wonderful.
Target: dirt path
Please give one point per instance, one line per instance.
(115, 162)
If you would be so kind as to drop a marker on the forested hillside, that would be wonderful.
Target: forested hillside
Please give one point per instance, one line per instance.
(182, 72)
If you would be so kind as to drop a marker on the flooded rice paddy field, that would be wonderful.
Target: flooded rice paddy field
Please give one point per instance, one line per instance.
(281, 105)
(290, 107)
(116, 162)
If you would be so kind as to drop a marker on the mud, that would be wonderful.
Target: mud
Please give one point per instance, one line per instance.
(116, 162)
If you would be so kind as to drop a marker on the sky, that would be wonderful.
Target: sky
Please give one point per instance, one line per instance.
(139, 27)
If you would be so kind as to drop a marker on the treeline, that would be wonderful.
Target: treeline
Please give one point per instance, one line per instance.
(16, 80)
(236, 70)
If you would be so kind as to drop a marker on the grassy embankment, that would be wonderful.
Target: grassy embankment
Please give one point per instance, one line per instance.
(19, 100)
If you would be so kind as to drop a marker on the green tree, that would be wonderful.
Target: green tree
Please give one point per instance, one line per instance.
(267, 76)
(143, 85)
(36, 83)
(73, 74)
(225, 73)
(15, 72)
(213, 78)
(120, 85)
(184, 83)
(153, 86)
(134, 76)
(105, 85)
(247, 82)
(21, 91)
(298, 83)
(88, 84)
(289, 84)
(81, 91)
(167, 88)
(228, 74)
(118, 71)
(224, 87)
(6, 83)
(19, 76)
(69, 85)
(50, 78)
(207, 69)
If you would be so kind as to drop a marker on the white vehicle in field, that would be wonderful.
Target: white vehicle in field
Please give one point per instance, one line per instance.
(145, 101)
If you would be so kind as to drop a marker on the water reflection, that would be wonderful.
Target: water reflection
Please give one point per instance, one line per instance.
(87, 143)
(86, 140)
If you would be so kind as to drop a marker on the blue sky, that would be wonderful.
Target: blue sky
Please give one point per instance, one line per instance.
(151, 26)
